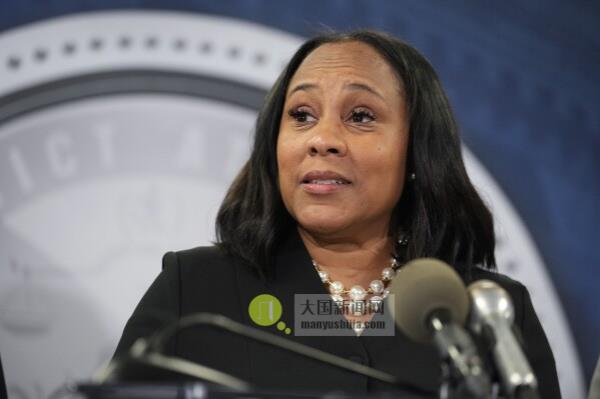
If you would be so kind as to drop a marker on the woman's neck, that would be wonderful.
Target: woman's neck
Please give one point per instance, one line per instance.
(350, 261)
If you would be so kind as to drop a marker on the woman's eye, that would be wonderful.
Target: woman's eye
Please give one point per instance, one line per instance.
(362, 116)
(301, 116)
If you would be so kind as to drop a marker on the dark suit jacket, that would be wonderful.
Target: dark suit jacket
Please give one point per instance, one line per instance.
(206, 280)
(3, 392)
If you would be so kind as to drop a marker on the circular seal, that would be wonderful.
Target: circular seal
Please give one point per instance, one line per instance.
(116, 145)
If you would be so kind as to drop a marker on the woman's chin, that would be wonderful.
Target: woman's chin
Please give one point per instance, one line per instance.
(323, 226)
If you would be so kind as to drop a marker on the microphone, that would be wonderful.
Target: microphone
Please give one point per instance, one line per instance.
(492, 316)
(431, 305)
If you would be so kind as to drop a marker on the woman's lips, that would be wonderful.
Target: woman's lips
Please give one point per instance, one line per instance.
(324, 182)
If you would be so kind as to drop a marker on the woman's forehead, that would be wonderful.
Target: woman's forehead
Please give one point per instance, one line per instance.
(345, 61)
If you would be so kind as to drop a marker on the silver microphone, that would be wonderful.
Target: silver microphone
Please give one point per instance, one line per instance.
(492, 314)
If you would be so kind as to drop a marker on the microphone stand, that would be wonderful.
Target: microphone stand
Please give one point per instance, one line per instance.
(463, 372)
(158, 341)
(152, 349)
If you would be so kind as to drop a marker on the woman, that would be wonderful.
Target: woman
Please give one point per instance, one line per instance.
(356, 168)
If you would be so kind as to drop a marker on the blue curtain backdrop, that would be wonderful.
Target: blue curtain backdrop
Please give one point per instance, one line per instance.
(523, 79)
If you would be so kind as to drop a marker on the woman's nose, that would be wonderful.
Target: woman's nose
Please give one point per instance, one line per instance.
(327, 139)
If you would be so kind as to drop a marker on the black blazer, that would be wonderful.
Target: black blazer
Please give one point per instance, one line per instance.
(3, 392)
(206, 280)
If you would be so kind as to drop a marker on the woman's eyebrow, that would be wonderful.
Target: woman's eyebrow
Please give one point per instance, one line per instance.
(365, 87)
(303, 87)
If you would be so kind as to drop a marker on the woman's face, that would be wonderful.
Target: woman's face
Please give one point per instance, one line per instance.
(342, 142)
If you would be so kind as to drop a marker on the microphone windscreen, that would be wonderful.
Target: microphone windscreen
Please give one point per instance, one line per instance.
(424, 286)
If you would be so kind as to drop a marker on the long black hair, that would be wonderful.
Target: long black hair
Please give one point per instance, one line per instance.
(440, 211)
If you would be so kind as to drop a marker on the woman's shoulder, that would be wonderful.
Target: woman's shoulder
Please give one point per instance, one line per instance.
(506, 282)
(194, 256)
(202, 260)
(204, 263)
(189, 282)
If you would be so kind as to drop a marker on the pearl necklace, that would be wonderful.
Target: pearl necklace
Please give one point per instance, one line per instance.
(357, 294)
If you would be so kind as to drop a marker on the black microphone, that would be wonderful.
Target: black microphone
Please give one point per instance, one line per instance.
(431, 304)
(492, 316)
